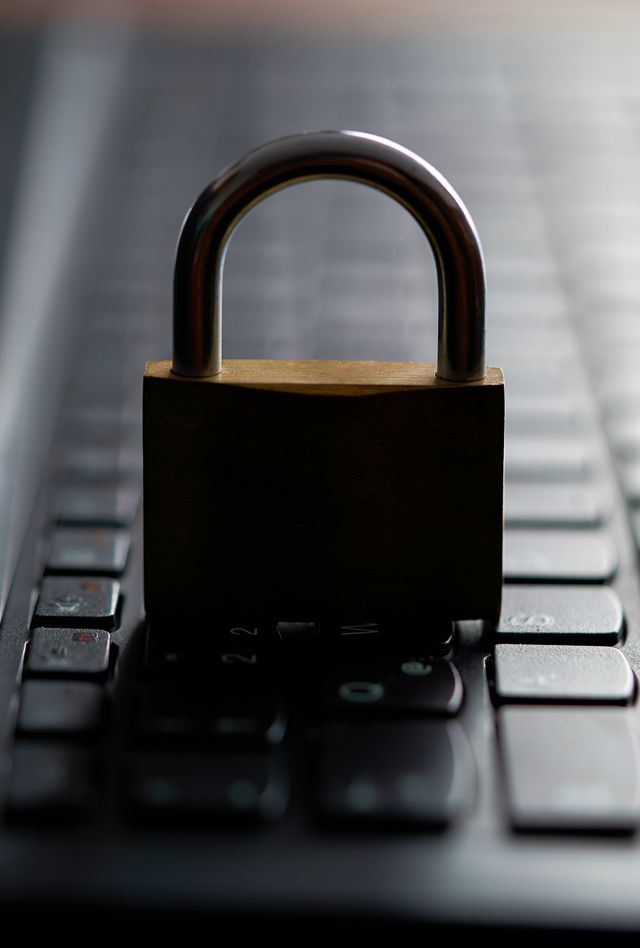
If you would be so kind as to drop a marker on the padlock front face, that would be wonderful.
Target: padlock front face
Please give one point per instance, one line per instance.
(308, 490)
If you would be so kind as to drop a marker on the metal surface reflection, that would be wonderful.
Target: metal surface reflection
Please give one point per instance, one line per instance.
(353, 156)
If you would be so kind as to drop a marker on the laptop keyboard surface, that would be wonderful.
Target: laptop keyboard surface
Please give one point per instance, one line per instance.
(465, 776)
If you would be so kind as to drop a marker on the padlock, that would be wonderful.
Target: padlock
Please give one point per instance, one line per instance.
(311, 490)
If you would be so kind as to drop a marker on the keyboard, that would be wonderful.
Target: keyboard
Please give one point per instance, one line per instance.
(357, 774)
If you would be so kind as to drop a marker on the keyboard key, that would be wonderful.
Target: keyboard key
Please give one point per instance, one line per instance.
(570, 769)
(414, 685)
(589, 673)
(552, 505)
(540, 416)
(244, 785)
(554, 556)
(396, 773)
(388, 636)
(95, 463)
(635, 526)
(87, 425)
(87, 601)
(547, 459)
(83, 550)
(624, 435)
(197, 715)
(560, 613)
(552, 379)
(105, 505)
(50, 781)
(241, 652)
(68, 708)
(630, 481)
(75, 652)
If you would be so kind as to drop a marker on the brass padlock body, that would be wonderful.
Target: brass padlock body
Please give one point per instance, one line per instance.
(309, 490)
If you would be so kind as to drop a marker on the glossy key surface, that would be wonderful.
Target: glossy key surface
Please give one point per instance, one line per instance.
(241, 786)
(201, 715)
(553, 505)
(110, 505)
(408, 684)
(402, 773)
(96, 551)
(60, 707)
(77, 601)
(241, 652)
(541, 459)
(571, 673)
(571, 769)
(555, 556)
(76, 652)
(560, 613)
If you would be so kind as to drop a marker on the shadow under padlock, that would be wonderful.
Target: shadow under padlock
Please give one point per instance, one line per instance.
(322, 489)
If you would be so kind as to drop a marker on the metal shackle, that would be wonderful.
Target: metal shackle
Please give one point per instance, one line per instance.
(350, 156)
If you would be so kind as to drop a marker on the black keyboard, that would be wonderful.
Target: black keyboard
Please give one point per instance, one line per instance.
(358, 772)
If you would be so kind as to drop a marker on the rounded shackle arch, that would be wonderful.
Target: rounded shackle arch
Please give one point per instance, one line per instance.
(351, 156)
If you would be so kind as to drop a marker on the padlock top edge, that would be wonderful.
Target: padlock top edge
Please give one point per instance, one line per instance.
(332, 374)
